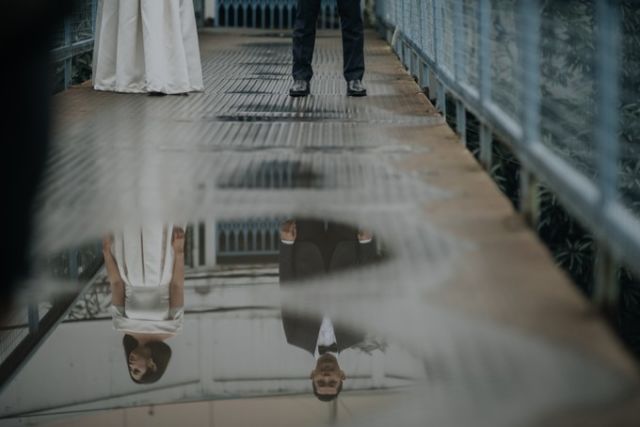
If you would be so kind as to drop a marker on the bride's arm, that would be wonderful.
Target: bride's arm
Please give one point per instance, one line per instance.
(113, 274)
(176, 289)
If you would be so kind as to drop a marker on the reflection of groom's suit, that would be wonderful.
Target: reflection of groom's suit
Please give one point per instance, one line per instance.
(320, 248)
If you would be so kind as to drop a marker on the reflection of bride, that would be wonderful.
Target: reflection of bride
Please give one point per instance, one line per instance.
(145, 267)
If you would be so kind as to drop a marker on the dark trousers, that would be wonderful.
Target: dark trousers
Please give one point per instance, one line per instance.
(304, 38)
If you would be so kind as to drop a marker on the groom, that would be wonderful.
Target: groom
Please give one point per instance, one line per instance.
(304, 37)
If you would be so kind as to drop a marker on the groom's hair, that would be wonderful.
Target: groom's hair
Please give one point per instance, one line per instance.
(326, 397)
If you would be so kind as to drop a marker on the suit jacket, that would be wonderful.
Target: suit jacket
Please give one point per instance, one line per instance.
(319, 250)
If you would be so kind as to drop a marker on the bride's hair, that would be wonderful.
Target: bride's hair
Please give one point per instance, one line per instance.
(160, 354)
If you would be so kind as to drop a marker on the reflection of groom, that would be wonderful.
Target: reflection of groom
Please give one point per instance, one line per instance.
(311, 248)
(304, 37)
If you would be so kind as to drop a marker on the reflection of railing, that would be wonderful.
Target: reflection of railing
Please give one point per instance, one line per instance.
(276, 174)
(29, 324)
(95, 301)
(497, 59)
(248, 238)
(268, 174)
(270, 13)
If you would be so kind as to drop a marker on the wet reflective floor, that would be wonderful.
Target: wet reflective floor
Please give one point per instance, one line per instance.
(237, 257)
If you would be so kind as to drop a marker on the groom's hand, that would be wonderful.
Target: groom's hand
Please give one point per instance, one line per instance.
(288, 231)
(365, 236)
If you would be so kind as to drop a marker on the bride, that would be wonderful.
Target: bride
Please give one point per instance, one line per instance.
(146, 46)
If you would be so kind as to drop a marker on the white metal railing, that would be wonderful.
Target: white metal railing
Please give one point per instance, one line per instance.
(248, 238)
(272, 14)
(547, 82)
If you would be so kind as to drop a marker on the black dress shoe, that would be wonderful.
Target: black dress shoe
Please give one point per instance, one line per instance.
(299, 88)
(355, 88)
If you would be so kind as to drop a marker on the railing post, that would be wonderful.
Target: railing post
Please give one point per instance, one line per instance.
(530, 69)
(529, 50)
(461, 121)
(421, 17)
(254, 239)
(484, 63)
(486, 146)
(394, 40)
(433, 84)
(404, 34)
(458, 41)
(94, 13)
(608, 80)
(438, 29)
(529, 197)
(441, 101)
(606, 289)
(434, 20)
(423, 77)
(33, 316)
(281, 17)
(407, 55)
(484, 72)
(195, 244)
(606, 135)
(73, 263)
(68, 62)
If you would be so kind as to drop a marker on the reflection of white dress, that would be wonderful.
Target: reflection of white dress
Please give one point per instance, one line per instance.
(146, 46)
(145, 260)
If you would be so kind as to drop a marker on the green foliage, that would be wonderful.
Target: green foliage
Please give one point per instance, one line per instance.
(82, 68)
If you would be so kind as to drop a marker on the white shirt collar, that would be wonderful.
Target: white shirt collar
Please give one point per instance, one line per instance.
(326, 336)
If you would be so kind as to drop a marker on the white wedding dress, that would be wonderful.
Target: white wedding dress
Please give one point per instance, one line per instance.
(145, 259)
(146, 46)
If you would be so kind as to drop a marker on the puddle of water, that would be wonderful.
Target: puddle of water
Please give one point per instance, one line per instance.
(170, 295)
(275, 175)
(275, 306)
(285, 116)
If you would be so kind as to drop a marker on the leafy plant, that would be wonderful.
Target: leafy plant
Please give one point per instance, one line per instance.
(82, 68)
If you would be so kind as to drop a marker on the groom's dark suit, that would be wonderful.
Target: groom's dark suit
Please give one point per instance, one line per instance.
(304, 37)
(317, 251)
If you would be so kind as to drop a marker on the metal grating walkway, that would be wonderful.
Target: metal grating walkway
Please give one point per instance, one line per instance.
(467, 272)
